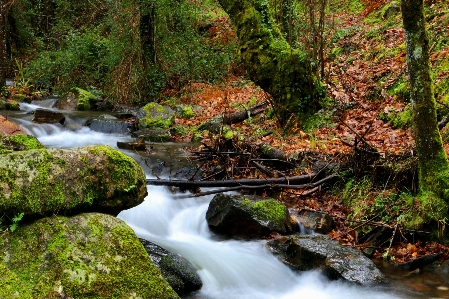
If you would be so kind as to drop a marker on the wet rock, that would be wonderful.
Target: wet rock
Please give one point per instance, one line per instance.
(8, 128)
(158, 168)
(110, 125)
(136, 145)
(154, 115)
(85, 256)
(320, 223)
(179, 272)
(153, 134)
(247, 216)
(86, 179)
(420, 262)
(305, 253)
(45, 116)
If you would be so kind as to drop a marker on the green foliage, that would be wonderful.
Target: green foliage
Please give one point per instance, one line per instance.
(399, 119)
(11, 224)
(96, 45)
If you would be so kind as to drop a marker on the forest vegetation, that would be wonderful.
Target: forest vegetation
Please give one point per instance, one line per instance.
(334, 71)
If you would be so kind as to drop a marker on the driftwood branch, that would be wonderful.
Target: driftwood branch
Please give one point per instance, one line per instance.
(238, 117)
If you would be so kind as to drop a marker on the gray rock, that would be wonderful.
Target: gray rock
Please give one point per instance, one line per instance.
(420, 262)
(110, 125)
(45, 116)
(85, 256)
(391, 10)
(318, 222)
(247, 216)
(337, 262)
(179, 272)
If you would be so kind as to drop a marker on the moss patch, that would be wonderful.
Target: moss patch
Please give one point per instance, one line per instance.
(156, 116)
(85, 99)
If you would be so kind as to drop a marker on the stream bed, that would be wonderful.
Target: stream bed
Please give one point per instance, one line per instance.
(228, 268)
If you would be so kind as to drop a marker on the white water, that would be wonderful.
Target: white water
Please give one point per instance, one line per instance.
(228, 269)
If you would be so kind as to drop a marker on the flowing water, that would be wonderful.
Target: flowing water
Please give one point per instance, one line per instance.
(228, 268)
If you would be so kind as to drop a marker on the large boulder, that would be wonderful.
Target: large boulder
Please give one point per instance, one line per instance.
(54, 181)
(317, 222)
(337, 262)
(85, 256)
(154, 115)
(247, 216)
(110, 125)
(179, 272)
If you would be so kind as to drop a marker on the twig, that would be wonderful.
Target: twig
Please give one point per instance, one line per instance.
(353, 229)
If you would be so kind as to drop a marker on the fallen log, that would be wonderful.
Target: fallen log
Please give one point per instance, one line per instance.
(234, 183)
(315, 187)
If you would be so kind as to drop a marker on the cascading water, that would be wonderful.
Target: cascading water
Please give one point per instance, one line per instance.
(228, 268)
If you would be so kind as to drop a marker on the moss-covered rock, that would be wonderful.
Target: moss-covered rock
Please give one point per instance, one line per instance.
(247, 216)
(20, 142)
(53, 181)
(154, 115)
(85, 256)
(9, 105)
(153, 134)
(77, 99)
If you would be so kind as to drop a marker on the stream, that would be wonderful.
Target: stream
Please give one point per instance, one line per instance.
(228, 268)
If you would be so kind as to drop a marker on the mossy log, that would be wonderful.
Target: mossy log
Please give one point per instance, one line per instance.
(45, 182)
(280, 70)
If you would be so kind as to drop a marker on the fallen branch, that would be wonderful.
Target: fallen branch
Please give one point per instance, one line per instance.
(315, 187)
(232, 183)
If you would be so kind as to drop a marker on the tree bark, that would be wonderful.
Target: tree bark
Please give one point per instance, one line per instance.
(2, 44)
(271, 62)
(433, 164)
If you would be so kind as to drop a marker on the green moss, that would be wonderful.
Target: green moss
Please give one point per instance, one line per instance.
(85, 99)
(11, 286)
(187, 112)
(25, 142)
(19, 97)
(156, 116)
(271, 210)
(86, 256)
(402, 119)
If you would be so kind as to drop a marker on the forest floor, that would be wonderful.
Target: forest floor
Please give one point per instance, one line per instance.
(366, 77)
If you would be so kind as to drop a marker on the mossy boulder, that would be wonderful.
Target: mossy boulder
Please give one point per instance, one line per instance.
(77, 99)
(54, 181)
(184, 111)
(20, 142)
(9, 105)
(154, 115)
(305, 253)
(85, 256)
(247, 216)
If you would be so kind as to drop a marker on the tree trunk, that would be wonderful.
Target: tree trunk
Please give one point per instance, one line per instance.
(433, 164)
(271, 62)
(2, 44)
